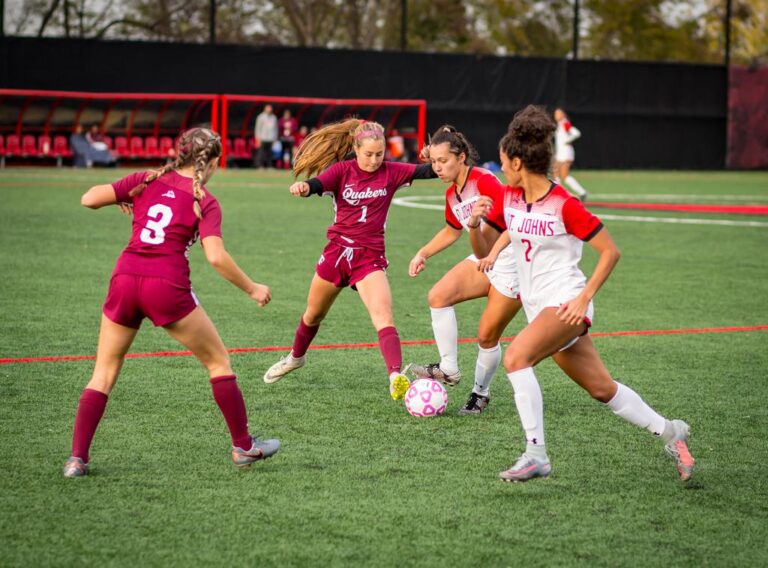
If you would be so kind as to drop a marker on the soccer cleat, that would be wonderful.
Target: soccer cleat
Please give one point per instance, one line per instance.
(283, 367)
(260, 450)
(677, 447)
(475, 404)
(433, 371)
(526, 468)
(75, 467)
(398, 386)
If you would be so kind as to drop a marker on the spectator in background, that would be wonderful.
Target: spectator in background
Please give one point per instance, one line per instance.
(266, 135)
(299, 138)
(84, 154)
(95, 138)
(288, 127)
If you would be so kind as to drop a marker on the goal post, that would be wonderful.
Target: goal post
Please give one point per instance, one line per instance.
(405, 117)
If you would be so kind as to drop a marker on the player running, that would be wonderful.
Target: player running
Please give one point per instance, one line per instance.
(565, 135)
(547, 227)
(362, 190)
(171, 209)
(453, 160)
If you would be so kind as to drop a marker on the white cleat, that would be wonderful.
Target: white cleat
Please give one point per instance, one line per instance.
(283, 367)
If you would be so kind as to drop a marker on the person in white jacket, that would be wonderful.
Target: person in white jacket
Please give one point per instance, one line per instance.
(565, 134)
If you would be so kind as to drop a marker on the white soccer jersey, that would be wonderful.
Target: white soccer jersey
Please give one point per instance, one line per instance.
(565, 134)
(546, 239)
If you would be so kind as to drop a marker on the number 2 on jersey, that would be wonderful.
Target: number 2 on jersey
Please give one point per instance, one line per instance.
(529, 246)
(153, 232)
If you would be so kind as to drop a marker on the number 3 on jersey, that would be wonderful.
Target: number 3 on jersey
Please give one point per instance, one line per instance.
(153, 232)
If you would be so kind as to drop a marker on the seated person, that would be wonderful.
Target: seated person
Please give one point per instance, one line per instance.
(85, 155)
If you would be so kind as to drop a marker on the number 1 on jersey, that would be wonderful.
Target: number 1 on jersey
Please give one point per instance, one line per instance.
(363, 216)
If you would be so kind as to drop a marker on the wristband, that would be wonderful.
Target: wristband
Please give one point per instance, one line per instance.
(473, 226)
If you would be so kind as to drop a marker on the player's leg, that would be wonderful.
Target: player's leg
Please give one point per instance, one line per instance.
(114, 342)
(461, 283)
(498, 312)
(322, 294)
(582, 363)
(377, 297)
(197, 333)
(539, 339)
(571, 182)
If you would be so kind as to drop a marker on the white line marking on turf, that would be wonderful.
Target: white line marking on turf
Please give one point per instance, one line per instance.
(412, 201)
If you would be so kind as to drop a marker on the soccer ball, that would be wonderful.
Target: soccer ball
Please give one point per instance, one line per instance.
(426, 398)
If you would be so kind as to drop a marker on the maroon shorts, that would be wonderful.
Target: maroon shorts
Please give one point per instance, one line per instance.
(346, 266)
(132, 298)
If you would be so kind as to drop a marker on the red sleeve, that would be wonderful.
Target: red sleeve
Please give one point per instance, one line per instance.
(450, 216)
(578, 221)
(210, 224)
(567, 125)
(126, 184)
(400, 174)
(490, 186)
(332, 177)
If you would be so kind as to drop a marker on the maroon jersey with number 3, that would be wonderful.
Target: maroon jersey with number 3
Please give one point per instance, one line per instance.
(164, 226)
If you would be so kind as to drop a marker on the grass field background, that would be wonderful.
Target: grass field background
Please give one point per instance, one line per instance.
(359, 482)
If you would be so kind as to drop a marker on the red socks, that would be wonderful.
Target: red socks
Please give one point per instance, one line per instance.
(304, 336)
(389, 343)
(90, 409)
(228, 397)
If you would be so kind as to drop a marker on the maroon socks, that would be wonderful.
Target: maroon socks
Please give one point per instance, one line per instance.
(90, 409)
(304, 336)
(228, 397)
(389, 343)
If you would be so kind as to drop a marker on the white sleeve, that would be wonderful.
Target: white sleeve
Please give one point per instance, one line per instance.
(572, 134)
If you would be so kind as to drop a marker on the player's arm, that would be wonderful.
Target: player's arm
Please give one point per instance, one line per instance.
(482, 236)
(225, 265)
(424, 171)
(501, 243)
(99, 196)
(441, 241)
(573, 311)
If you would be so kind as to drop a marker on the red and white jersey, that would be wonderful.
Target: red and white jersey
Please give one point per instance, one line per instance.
(164, 226)
(459, 204)
(361, 201)
(547, 238)
(565, 134)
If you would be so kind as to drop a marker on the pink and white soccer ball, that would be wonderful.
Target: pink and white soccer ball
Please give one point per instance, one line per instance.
(426, 398)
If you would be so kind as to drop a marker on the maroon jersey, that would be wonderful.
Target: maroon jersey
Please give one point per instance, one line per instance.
(459, 203)
(164, 226)
(361, 201)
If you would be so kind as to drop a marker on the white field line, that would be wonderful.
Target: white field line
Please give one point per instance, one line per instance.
(413, 201)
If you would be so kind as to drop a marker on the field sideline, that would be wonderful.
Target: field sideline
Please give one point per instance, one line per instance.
(359, 482)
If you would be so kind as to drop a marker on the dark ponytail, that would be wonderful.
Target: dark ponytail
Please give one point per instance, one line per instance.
(457, 143)
(529, 138)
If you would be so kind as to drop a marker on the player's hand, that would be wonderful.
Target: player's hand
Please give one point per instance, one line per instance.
(486, 264)
(481, 208)
(261, 294)
(573, 311)
(299, 189)
(126, 208)
(424, 154)
(416, 265)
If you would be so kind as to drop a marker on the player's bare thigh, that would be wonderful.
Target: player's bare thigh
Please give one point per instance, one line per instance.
(196, 332)
(320, 298)
(114, 342)
(563, 168)
(461, 283)
(377, 297)
(541, 338)
(498, 312)
(582, 363)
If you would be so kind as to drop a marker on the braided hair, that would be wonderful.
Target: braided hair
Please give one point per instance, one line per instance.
(197, 147)
(457, 143)
(333, 143)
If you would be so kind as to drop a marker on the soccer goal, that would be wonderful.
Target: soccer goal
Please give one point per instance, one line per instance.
(404, 121)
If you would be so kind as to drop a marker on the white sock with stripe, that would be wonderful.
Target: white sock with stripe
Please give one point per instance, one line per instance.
(445, 329)
(487, 362)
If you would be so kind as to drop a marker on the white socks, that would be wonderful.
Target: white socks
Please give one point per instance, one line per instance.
(446, 332)
(628, 404)
(530, 405)
(575, 186)
(487, 362)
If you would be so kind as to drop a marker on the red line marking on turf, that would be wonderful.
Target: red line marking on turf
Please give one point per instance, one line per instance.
(8, 361)
(688, 208)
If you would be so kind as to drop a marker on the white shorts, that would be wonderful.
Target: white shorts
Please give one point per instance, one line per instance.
(503, 278)
(534, 308)
(565, 154)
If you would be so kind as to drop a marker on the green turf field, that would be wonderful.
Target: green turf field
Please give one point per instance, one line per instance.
(359, 482)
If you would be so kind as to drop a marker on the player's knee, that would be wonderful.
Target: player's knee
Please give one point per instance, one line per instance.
(313, 319)
(516, 359)
(437, 298)
(487, 338)
(602, 391)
